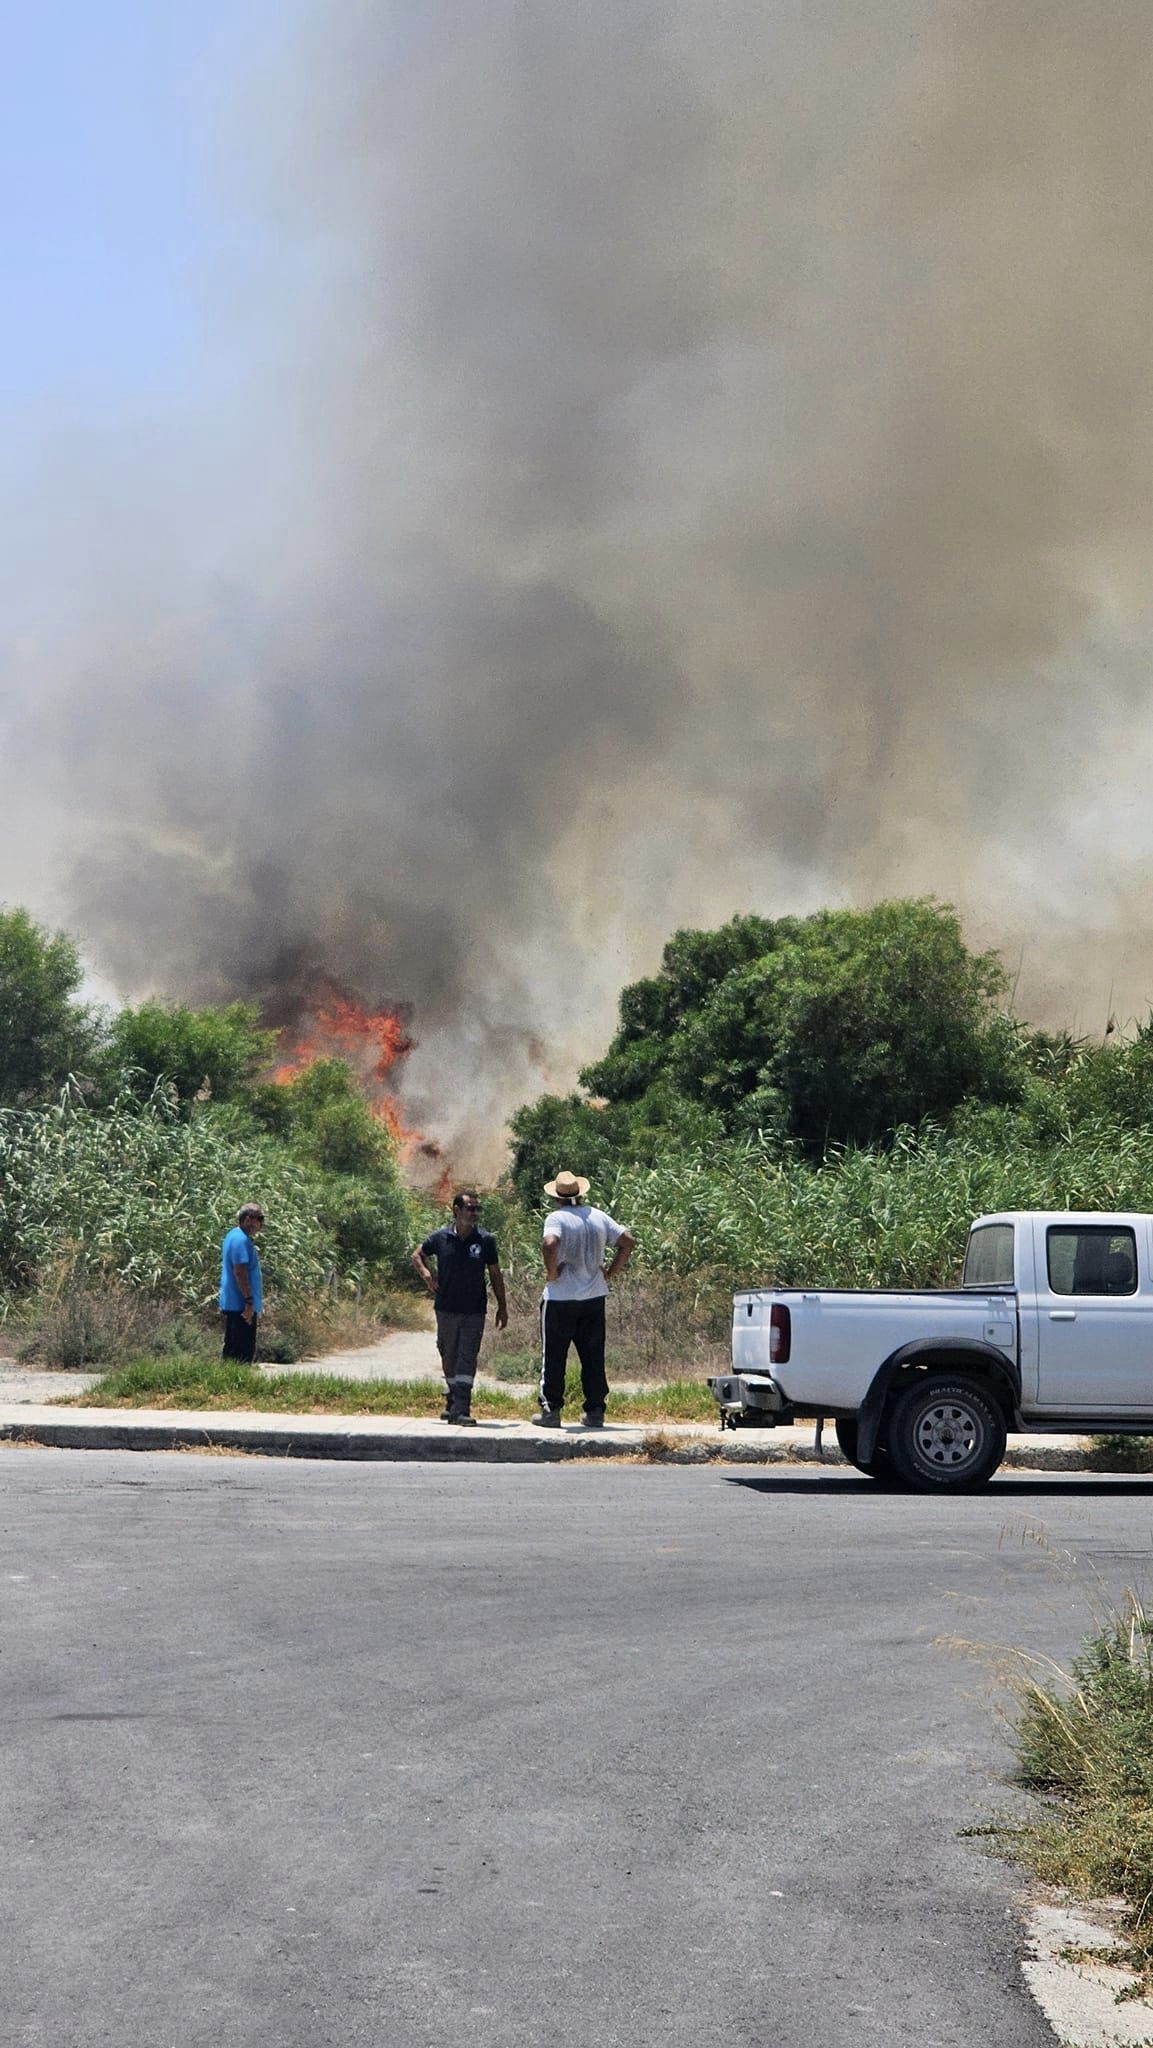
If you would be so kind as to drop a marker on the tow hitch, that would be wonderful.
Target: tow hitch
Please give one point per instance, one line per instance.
(749, 1401)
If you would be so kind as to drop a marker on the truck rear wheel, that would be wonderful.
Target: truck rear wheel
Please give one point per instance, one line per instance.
(946, 1433)
(878, 1466)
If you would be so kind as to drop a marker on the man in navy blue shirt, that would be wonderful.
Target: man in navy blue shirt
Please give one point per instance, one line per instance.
(464, 1255)
(241, 1285)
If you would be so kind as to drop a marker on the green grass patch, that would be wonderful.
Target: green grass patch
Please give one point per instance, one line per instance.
(1086, 1744)
(671, 1401)
(160, 1383)
(221, 1384)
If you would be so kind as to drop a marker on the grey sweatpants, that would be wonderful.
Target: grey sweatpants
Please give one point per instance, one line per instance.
(458, 1341)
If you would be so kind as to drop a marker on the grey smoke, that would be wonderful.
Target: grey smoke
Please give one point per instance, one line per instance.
(718, 475)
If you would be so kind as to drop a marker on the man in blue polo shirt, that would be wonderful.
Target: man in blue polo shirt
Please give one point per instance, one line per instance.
(463, 1256)
(241, 1285)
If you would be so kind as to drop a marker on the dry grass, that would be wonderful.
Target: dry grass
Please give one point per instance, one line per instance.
(657, 1445)
(1085, 1741)
(77, 1319)
(191, 1450)
(660, 1327)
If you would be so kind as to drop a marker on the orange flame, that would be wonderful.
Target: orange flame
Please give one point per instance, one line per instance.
(371, 1042)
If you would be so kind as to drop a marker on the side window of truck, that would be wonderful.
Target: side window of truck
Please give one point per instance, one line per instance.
(1091, 1259)
(989, 1256)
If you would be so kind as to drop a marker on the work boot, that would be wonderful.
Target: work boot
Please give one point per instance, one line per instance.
(460, 1404)
(547, 1418)
(593, 1418)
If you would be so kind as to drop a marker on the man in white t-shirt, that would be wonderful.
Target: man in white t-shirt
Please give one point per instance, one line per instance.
(572, 1310)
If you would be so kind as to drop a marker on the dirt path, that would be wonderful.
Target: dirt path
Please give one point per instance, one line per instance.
(403, 1355)
(24, 1383)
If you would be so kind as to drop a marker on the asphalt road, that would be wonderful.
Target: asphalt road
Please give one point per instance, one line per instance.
(300, 1754)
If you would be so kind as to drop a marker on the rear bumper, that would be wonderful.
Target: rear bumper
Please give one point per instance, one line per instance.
(750, 1400)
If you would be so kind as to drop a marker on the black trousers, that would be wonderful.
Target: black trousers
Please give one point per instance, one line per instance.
(239, 1337)
(573, 1322)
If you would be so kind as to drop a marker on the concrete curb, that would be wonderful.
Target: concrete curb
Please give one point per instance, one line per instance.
(333, 1443)
(504, 1443)
(1089, 2003)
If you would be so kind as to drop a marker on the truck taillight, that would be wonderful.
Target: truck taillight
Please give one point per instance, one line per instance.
(780, 1333)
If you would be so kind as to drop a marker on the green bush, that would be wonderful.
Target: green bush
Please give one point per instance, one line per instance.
(566, 1133)
(873, 1218)
(828, 1030)
(45, 1034)
(209, 1055)
(325, 1122)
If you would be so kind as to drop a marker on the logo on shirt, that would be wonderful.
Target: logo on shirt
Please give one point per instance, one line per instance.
(474, 1251)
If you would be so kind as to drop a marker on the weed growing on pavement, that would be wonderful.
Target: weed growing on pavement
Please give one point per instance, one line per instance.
(657, 1445)
(206, 1451)
(1085, 1741)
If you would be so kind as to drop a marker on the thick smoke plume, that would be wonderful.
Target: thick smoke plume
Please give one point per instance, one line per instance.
(718, 449)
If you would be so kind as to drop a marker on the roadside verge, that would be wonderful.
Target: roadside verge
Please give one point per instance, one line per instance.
(394, 1437)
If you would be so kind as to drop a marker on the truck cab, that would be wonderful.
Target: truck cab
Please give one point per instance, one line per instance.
(1084, 1291)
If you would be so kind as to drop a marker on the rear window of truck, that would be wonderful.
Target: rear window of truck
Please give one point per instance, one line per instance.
(1090, 1258)
(989, 1257)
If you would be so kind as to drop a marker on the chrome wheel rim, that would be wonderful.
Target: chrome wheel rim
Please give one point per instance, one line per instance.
(949, 1435)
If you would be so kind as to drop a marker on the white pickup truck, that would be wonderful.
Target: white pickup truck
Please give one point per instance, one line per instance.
(1050, 1329)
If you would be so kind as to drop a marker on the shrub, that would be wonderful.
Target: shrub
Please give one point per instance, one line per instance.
(45, 1034)
(558, 1132)
(79, 1319)
(209, 1054)
(326, 1123)
(1088, 1744)
(830, 1030)
(1121, 1453)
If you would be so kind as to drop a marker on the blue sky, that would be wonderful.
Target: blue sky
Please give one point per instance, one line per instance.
(136, 239)
(144, 262)
(114, 206)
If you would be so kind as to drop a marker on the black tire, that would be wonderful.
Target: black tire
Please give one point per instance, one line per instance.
(878, 1466)
(946, 1435)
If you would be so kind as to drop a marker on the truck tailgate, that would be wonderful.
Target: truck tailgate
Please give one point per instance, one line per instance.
(837, 1341)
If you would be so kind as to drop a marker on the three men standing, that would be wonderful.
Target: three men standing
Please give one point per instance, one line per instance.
(572, 1311)
(464, 1254)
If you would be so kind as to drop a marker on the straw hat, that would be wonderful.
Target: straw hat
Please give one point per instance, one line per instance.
(567, 1187)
